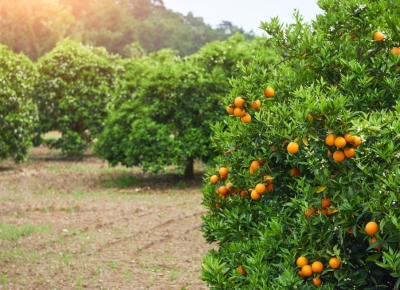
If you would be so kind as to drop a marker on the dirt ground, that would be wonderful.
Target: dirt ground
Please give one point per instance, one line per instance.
(83, 225)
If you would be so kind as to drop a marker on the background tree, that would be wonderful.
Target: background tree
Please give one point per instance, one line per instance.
(306, 194)
(170, 104)
(18, 112)
(75, 85)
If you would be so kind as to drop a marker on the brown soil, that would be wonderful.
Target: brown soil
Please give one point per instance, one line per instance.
(81, 224)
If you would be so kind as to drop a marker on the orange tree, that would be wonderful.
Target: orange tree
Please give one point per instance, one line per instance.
(308, 195)
(18, 112)
(170, 103)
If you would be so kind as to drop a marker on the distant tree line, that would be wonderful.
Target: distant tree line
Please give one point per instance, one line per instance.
(126, 27)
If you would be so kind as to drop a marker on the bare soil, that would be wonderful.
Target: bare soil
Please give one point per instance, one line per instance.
(79, 224)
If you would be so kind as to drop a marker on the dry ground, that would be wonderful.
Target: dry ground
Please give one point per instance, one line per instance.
(83, 225)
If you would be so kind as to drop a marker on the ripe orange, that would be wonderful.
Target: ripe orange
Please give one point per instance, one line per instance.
(230, 109)
(338, 156)
(256, 104)
(329, 153)
(378, 36)
(349, 152)
(239, 112)
(371, 228)
(262, 162)
(349, 138)
(340, 142)
(357, 141)
(334, 263)
(295, 171)
(317, 281)
(255, 164)
(395, 50)
(223, 191)
(301, 261)
(268, 178)
(373, 240)
(246, 118)
(309, 212)
(317, 267)
(260, 188)
(269, 187)
(243, 193)
(214, 179)
(307, 271)
(269, 92)
(223, 171)
(330, 140)
(254, 195)
(301, 274)
(239, 102)
(293, 148)
(241, 271)
(223, 177)
(325, 202)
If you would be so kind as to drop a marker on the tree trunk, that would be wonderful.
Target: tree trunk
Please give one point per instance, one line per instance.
(189, 170)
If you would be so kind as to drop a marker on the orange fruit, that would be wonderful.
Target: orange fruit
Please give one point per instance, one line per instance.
(251, 170)
(317, 281)
(223, 171)
(371, 228)
(378, 36)
(268, 178)
(262, 162)
(349, 138)
(331, 210)
(243, 193)
(350, 231)
(241, 271)
(239, 112)
(260, 188)
(334, 263)
(340, 142)
(269, 92)
(293, 148)
(239, 102)
(373, 240)
(214, 179)
(254, 195)
(295, 171)
(256, 104)
(301, 261)
(309, 212)
(395, 50)
(352, 36)
(269, 187)
(307, 271)
(357, 141)
(317, 267)
(246, 118)
(223, 177)
(329, 153)
(330, 140)
(309, 117)
(325, 202)
(255, 164)
(301, 274)
(349, 152)
(338, 156)
(222, 191)
(230, 110)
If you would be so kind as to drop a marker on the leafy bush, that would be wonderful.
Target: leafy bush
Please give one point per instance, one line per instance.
(76, 83)
(294, 190)
(18, 112)
(170, 104)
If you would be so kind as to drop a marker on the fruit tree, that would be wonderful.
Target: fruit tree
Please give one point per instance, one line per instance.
(314, 177)
(18, 112)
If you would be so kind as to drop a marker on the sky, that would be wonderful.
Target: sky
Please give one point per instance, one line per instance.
(245, 13)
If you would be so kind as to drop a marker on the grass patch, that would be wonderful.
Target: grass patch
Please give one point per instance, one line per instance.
(12, 233)
(122, 181)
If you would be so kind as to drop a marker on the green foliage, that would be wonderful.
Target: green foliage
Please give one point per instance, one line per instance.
(76, 83)
(170, 104)
(18, 112)
(333, 78)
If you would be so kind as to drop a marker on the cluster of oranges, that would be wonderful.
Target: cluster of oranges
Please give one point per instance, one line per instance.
(345, 145)
(371, 229)
(326, 208)
(261, 188)
(315, 268)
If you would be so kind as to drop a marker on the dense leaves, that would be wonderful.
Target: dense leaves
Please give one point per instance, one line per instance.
(171, 103)
(18, 112)
(333, 78)
(76, 83)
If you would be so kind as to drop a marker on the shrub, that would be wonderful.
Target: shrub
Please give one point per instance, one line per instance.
(18, 112)
(295, 190)
(170, 104)
(76, 83)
